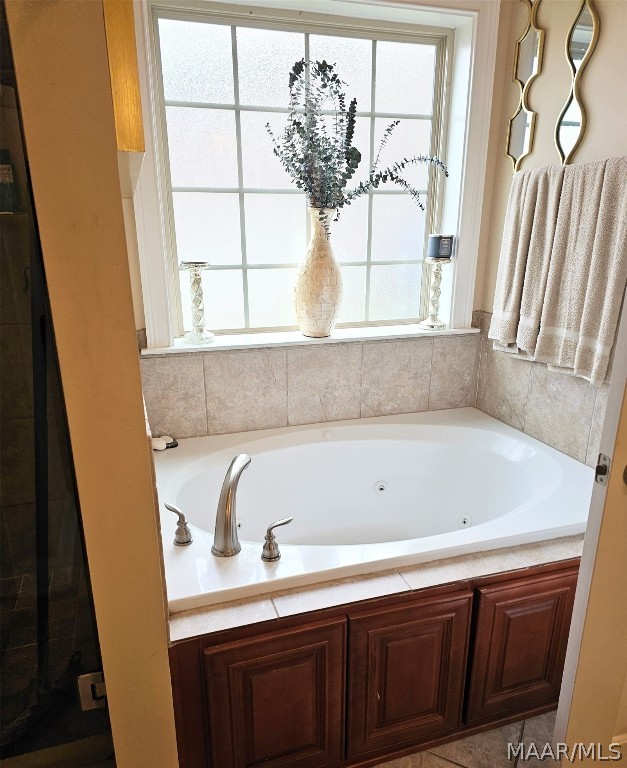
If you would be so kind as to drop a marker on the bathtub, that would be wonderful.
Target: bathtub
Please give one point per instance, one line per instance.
(366, 495)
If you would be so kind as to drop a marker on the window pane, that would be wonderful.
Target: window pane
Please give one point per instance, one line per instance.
(223, 298)
(207, 227)
(202, 147)
(404, 78)
(354, 64)
(398, 227)
(262, 168)
(410, 138)
(349, 235)
(264, 59)
(395, 291)
(271, 297)
(196, 61)
(353, 307)
(275, 228)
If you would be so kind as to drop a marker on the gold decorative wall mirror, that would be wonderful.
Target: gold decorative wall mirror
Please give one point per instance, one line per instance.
(527, 65)
(580, 44)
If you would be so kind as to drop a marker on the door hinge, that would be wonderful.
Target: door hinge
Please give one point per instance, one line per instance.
(92, 691)
(603, 469)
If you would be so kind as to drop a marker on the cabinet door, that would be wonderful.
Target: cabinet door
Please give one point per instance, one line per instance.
(522, 632)
(406, 672)
(278, 699)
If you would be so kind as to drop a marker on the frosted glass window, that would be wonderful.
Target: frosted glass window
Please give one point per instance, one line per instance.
(405, 73)
(275, 228)
(262, 169)
(203, 149)
(353, 57)
(223, 298)
(395, 291)
(349, 235)
(398, 228)
(265, 58)
(234, 205)
(353, 309)
(410, 138)
(197, 61)
(271, 297)
(207, 227)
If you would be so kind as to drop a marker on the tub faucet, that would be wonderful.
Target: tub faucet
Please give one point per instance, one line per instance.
(225, 541)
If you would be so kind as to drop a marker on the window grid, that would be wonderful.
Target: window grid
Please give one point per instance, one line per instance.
(240, 177)
(241, 190)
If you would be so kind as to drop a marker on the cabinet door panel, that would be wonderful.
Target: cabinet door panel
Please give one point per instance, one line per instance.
(278, 699)
(407, 669)
(522, 632)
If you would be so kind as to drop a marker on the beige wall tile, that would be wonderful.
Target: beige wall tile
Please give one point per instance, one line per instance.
(18, 461)
(503, 385)
(596, 427)
(239, 613)
(483, 750)
(174, 393)
(559, 410)
(339, 593)
(16, 372)
(454, 372)
(539, 731)
(549, 551)
(14, 265)
(396, 376)
(323, 383)
(417, 760)
(245, 390)
(459, 568)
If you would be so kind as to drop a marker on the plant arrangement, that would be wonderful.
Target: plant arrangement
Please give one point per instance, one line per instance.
(316, 148)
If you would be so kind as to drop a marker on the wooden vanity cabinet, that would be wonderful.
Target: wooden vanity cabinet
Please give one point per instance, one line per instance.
(360, 684)
(520, 640)
(406, 672)
(278, 699)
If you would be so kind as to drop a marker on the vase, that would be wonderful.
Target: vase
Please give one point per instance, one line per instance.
(318, 290)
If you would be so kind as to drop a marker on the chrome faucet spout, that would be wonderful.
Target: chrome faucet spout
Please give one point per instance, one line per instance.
(225, 541)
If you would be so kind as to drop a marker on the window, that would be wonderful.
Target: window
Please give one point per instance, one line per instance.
(227, 199)
(459, 133)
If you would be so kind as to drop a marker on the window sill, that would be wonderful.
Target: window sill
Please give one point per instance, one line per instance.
(295, 338)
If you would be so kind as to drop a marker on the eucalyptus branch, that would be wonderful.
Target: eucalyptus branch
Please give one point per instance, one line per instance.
(319, 154)
(384, 140)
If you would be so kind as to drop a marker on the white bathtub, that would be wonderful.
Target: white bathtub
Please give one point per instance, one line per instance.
(366, 495)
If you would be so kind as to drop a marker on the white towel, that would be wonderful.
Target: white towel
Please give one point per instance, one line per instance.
(588, 270)
(523, 266)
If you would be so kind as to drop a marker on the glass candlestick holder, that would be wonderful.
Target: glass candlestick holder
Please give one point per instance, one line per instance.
(432, 321)
(198, 334)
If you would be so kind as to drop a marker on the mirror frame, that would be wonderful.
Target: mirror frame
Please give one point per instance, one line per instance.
(523, 106)
(576, 77)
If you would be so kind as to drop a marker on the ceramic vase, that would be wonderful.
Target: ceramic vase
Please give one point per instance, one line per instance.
(318, 290)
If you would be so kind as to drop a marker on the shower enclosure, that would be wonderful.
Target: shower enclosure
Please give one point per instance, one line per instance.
(48, 631)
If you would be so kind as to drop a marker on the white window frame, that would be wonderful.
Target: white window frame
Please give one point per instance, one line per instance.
(472, 56)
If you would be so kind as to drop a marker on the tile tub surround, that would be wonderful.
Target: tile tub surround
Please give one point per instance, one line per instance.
(219, 392)
(200, 621)
(190, 394)
(561, 410)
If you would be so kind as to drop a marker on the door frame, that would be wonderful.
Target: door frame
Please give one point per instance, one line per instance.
(584, 601)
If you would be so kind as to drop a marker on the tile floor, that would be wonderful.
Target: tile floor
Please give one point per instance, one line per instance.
(486, 750)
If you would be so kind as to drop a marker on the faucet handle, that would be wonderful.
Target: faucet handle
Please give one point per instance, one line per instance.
(270, 551)
(183, 535)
